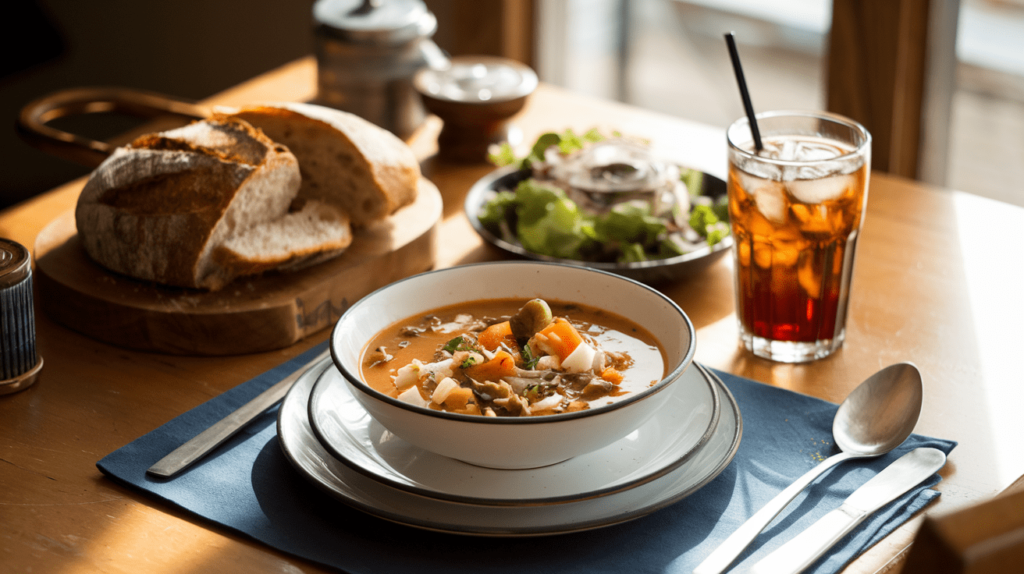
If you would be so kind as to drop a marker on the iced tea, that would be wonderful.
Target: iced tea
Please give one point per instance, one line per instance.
(796, 209)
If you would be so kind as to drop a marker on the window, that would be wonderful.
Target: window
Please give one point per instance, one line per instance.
(670, 56)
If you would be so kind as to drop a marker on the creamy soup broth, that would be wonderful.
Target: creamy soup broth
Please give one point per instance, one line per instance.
(474, 380)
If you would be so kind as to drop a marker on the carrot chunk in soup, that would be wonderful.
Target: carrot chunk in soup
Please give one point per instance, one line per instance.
(492, 337)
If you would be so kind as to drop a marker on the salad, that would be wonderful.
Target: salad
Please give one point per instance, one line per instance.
(598, 198)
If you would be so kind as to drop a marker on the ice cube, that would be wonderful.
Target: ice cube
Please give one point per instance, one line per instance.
(814, 151)
(771, 149)
(763, 170)
(770, 198)
(823, 169)
(809, 276)
(819, 190)
(763, 254)
(786, 253)
(813, 219)
(790, 148)
(743, 252)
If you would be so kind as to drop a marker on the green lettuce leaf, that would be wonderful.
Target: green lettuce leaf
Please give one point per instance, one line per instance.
(567, 142)
(629, 223)
(632, 253)
(701, 216)
(694, 180)
(704, 220)
(496, 210)
(717, 232)
(549, 223)
(503, 156)
(537, 152)
(673, 246)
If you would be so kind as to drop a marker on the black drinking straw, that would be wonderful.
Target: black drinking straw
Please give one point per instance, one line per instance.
(735, 55)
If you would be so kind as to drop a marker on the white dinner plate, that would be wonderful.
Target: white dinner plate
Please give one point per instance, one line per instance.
(311, 459)
(671, 437)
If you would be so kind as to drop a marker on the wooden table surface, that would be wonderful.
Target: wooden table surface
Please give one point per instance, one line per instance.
(937, 282)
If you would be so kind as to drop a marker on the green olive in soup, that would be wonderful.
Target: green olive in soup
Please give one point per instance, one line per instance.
(513, 357)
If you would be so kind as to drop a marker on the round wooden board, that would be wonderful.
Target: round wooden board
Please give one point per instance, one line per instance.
(250, 315)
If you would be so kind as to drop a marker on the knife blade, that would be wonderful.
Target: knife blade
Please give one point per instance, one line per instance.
(896, 479)
(204, 442)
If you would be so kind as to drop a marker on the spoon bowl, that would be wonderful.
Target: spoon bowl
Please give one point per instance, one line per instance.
(875, 418)
(881, 412)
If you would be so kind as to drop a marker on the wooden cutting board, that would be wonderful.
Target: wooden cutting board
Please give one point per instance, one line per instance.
(250, 315)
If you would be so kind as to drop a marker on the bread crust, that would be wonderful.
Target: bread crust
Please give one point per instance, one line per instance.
(345, 160)
(156, 208)
(179, 207)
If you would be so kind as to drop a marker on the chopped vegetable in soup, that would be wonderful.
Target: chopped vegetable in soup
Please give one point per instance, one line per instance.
(508, 357)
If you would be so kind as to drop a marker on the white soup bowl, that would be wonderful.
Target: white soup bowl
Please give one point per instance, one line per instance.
(513, 442)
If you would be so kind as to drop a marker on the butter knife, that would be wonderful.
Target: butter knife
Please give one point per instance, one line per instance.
(895, 480)
(196, 448)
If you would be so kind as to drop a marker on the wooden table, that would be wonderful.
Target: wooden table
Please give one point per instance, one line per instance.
(937, 282)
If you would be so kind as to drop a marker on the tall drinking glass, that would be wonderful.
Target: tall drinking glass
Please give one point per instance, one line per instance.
(796, 209)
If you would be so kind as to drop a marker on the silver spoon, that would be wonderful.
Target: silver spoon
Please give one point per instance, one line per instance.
(874, 419)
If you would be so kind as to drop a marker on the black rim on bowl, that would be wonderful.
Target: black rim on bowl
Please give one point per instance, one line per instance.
(673, 375)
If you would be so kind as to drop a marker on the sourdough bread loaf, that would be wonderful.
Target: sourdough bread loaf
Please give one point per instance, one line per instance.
(201, 205)
(159, 208)
(345, 160)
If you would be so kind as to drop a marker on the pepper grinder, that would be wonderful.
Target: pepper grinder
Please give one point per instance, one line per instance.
(19, 363)
(475, 96)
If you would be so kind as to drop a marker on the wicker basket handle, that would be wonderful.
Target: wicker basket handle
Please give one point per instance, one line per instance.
(32, 121)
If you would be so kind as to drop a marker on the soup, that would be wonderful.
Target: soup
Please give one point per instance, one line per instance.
(512, 357)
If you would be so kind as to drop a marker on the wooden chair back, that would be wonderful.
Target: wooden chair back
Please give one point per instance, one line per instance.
(987, 538)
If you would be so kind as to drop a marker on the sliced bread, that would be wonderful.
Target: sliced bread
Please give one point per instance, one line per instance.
(345, 160)
(313, 234)
(157, 208)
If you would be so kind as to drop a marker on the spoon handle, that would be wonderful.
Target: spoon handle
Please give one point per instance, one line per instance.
(733, 546)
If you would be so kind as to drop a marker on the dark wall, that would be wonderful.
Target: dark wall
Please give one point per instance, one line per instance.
(185, 48)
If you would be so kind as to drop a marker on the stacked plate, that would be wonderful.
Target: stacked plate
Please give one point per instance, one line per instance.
(330, 439)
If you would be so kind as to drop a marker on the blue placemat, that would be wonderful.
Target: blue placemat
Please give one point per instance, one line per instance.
(248, 486)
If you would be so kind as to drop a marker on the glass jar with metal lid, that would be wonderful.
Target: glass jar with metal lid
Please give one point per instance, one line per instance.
(19, 363)
(367, 53)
